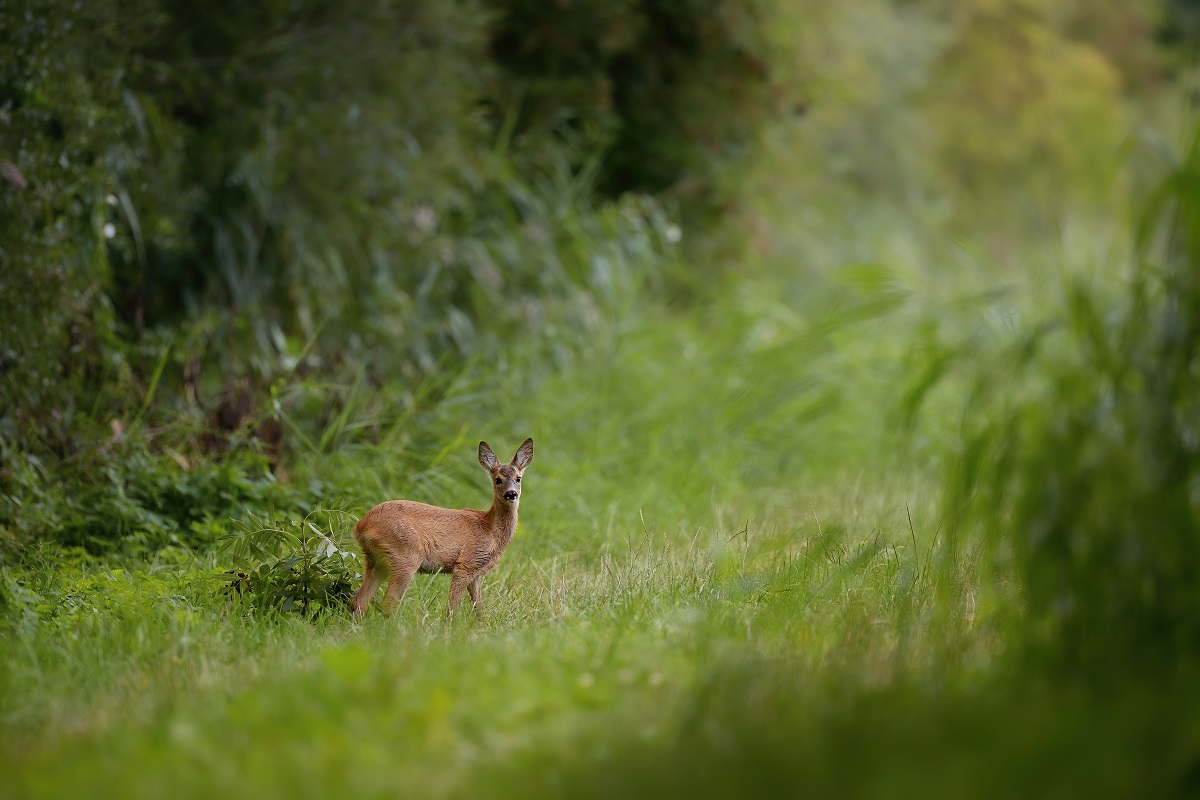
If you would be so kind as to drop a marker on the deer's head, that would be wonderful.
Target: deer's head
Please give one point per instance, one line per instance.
(506, 478)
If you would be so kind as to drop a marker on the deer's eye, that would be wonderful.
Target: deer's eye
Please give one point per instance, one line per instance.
(518, 480)
(498, 481)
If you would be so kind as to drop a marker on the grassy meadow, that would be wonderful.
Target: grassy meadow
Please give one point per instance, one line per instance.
(863, 380)
(737, 570)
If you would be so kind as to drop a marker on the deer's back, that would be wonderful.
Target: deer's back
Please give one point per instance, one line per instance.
(438, 536)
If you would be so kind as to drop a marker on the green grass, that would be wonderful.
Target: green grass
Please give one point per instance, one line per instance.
(151, 683)
(794, 638)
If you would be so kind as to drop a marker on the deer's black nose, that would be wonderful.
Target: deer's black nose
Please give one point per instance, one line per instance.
(510, 495)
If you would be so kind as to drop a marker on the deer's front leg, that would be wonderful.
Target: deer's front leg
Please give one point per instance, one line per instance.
(473, 588)
(459, 580)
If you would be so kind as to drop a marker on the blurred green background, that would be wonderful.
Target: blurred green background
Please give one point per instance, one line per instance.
(860, 342)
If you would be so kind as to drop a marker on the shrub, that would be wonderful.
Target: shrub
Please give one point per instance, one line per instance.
(135, 499)
(304, 565)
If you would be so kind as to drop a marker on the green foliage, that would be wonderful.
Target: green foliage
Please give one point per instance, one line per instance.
(303, 565)
(1128, 33)
(1181, 26)
(51, 590)
(303, 167)
(679, 85)
(679, 94)
(133, 499)
(1080, 458)
(1014, 96)
(239, 183)
(56, 126)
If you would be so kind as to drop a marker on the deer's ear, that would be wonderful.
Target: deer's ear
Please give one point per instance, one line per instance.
(524, 455)
(487, 459)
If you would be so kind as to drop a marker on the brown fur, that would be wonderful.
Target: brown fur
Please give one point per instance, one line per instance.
(401, 537)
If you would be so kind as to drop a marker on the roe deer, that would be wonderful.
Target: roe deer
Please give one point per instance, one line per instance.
(403, 537)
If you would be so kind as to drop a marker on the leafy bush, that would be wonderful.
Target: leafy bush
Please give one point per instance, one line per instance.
(134, 499)
(304, 565)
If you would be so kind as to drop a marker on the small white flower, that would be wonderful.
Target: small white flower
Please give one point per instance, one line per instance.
(110, 230)
(673, 233)
(425, 218)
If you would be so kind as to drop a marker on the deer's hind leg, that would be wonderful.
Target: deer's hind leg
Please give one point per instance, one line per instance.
(403, 565)
(373, 573)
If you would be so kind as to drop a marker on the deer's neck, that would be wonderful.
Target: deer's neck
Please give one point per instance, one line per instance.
(503, 520)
